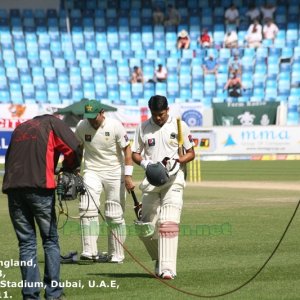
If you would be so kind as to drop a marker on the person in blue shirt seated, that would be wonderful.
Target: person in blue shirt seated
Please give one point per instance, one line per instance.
(235, 63)
(210, 65)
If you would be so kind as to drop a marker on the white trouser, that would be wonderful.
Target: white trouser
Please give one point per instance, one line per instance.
(162, 207)
(114, 189)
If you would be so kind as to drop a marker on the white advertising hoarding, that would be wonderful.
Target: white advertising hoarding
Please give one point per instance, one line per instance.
(239, 140)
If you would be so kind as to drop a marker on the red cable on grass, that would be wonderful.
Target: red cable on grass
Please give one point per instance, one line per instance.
(163, 281)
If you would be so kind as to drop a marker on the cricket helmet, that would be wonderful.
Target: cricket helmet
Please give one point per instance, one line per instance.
(157, 174)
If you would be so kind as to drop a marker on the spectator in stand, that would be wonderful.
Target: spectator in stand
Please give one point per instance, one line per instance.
(230, 39)
(210, 65)
(253, 13)
(183, 40)
(137, 75)
(270, 30)
(173, 17)
(232, 16)
(254, 35)
(158, 16)
(267, 12)
(234, 85)
(205, 40)
(160, 74)
(235, 64)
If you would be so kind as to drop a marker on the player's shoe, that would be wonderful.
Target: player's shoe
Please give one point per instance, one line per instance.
(104, 257)
(167, 275)
(114, 260)
(100, 257)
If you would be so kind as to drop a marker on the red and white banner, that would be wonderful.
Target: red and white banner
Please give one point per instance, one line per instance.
(130, 116)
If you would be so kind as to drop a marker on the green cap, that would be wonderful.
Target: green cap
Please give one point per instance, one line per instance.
(91, 109)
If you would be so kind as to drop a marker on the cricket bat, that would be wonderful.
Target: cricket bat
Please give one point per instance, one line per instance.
(180, 144)
(137, 205)
(179, 137)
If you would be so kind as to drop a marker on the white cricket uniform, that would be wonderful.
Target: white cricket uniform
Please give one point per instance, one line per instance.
(161, 205)
(103, 170)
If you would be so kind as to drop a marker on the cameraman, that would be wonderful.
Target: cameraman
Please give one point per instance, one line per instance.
(29, 183)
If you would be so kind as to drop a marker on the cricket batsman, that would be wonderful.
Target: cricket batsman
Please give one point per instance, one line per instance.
(157, 149)
(107, 167)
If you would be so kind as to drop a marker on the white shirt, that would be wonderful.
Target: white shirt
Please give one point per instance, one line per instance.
(228, 39)
(271, 31)
(103, 147)
(253, 13)
(268, 12)
(162, 74)
(254, 36)
(231, 14)
(155, 142)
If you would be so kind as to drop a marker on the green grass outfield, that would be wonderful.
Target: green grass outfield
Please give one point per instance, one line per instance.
(228, 230)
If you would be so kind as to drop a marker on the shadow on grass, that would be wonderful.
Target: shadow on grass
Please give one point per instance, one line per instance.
(123, 275)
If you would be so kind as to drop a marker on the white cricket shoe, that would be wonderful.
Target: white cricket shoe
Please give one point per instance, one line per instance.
(167, 274)
(100, 257)
(114, 260)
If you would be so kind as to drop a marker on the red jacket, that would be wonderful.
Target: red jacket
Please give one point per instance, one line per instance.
(205, 38)
(34, 150)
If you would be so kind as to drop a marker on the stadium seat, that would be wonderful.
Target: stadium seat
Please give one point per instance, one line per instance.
(20, 49)
(77, 95)
(258, 80)
(23, 66)
(8, 56)
(101, 90)
(137, 90)
(161, 89)
(271, 94)
(89, 90)
(50, 74)
(287, 53)
(259, 93)
(12, 74)
(284, 87)
(173, 89)
(28, 91)
(6, 41)
(5, 96)
(46, 58)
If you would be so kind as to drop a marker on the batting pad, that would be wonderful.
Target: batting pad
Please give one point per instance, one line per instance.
(116, 238)
(114, 212)
(168, 244)
(151, 246)
(144, 229)
(117, 232)
(89, 235)
(87, 206)
(170, 212)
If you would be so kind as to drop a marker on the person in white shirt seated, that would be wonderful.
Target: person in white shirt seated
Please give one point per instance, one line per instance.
(270, 30)
(230, 39)
(254, 35)
(160, 74)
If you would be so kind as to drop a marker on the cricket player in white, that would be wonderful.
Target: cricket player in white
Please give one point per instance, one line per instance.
(107, 167)
(154, 140)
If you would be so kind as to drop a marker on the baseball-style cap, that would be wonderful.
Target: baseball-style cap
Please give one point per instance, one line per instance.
(91, 109)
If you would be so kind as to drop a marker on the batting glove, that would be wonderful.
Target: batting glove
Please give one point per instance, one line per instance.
(144, 163)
